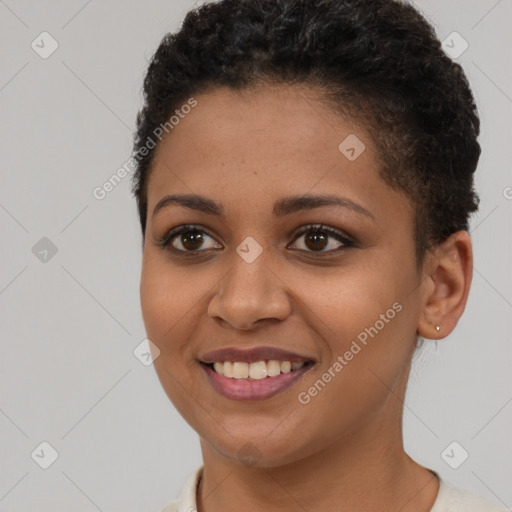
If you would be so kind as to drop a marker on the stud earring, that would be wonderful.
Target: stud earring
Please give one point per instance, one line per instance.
(438, 328)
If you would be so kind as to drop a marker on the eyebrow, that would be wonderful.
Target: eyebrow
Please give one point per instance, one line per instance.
(285, 206)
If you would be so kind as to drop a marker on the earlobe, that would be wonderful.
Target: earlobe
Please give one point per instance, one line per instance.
(445, 290)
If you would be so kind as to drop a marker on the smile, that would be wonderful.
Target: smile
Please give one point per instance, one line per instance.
(256, 380)
(256, 371)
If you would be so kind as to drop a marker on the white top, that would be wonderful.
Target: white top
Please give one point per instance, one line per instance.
(449, 498)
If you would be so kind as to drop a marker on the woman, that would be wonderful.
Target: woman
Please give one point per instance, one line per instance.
(304, 185)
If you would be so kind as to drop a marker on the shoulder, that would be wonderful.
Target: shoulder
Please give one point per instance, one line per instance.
(454, 499)
(172, 507)
(187, 499)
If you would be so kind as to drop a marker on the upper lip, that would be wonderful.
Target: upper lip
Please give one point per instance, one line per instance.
(252, 355)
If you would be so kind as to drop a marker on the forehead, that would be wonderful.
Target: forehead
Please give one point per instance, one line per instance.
(249, 147)
(272, 122)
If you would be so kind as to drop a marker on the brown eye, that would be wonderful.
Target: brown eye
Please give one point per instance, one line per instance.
(316, 240)
(191, 240)
(186, 239)
(317, 237)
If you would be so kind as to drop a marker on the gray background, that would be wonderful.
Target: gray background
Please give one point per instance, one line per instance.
(70, 323)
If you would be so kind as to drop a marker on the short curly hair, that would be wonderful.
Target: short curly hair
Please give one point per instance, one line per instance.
(377, 61)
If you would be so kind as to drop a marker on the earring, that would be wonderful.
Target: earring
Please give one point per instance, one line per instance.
(438, 328)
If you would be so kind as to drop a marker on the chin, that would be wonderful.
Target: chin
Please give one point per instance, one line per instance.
(254, 448)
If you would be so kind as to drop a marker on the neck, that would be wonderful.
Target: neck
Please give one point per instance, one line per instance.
(361, 471)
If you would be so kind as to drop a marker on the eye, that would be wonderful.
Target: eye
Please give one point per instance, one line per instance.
(189, 237)
(318, 238)
(192, 238)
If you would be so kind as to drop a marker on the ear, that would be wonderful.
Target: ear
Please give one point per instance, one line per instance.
(448, 270)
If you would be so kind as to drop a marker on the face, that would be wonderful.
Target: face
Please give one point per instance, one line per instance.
(255, 271)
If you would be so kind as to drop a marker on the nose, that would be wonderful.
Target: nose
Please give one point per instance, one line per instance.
(250, 293)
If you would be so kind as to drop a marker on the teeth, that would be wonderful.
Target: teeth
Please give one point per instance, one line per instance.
(240, 370)
(219, 368)
(228, 369)
(273, 368)
(257, 371)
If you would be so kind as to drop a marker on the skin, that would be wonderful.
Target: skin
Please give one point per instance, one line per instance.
(343, 450)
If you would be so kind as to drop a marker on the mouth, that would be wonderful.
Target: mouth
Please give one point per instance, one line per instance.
(255, 380)
(255, 371)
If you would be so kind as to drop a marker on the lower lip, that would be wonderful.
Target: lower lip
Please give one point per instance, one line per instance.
(253, 389)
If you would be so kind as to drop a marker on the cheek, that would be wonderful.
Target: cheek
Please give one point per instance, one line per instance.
(156, 300)
(350, 300)
(168, 314)
(164, 304)
(174, 301)
(368, 320)
(166, 293)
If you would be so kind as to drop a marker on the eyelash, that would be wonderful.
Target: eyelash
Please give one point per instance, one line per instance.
(165, 241)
